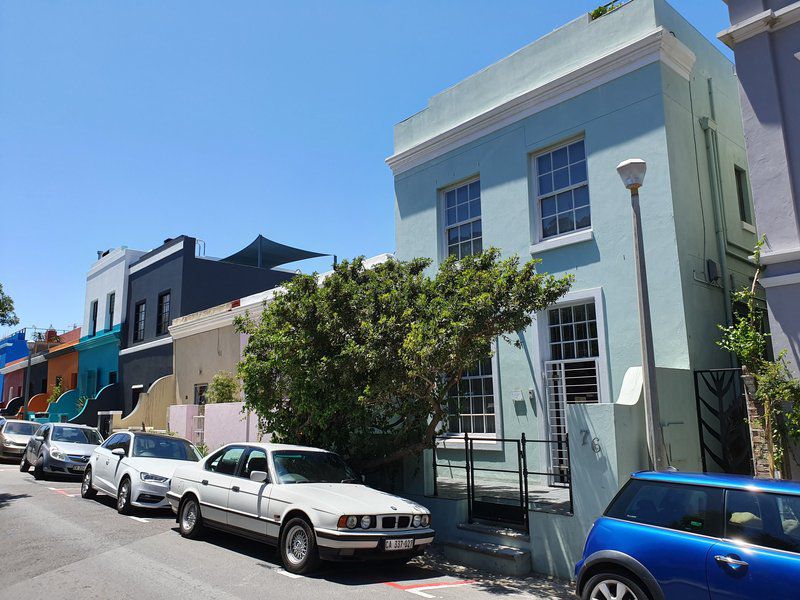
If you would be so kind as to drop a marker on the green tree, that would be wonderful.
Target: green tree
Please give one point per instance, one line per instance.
(7, 314)
(224, 387)
(362, 362)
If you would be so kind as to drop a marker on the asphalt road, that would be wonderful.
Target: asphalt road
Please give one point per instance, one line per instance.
(54, 544)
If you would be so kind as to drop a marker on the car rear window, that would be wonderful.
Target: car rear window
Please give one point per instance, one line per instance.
(769, 520)
(694, 509)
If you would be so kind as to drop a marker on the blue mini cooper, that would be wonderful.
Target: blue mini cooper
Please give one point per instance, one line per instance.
(688, 536)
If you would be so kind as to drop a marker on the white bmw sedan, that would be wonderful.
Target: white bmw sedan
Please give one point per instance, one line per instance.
(136, 468)
(305, 501)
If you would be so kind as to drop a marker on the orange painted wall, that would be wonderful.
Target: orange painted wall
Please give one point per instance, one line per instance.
(64, 365)
(38, 403)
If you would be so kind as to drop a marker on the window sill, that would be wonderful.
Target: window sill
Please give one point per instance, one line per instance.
(577, 237)
(478, 443)
(748, 227)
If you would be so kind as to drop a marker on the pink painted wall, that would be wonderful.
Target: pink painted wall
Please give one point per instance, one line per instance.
(225, 424)
(181, 419)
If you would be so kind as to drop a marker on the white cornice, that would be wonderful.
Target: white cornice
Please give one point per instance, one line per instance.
(146, 346)
(779, 256)
(657, 45)
(768, 20)
(39, 358)
(142, 264)
(789, 279)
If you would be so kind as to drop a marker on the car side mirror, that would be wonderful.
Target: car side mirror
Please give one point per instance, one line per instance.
(38, 438)
(118, 452)
(259, 476)
(363, 478)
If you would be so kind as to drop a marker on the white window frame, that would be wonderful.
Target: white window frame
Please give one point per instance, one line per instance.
(487, 441)
(442, 210)
(541, 243)
(109, 318)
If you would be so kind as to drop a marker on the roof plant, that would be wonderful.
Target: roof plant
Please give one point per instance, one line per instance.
(362, 362)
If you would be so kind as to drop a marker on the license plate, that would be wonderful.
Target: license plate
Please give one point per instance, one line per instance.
(406, 544)
(79, 469)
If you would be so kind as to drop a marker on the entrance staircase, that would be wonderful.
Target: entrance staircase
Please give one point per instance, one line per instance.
(496, 549)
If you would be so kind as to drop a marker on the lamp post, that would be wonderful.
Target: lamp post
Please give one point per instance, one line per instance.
(632, 173)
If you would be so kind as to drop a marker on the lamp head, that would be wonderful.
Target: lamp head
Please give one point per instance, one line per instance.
(632, 172)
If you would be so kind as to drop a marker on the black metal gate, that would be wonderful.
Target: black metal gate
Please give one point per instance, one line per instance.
(722, 421)
(498, 503)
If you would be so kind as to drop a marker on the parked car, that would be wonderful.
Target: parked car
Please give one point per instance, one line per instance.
(687, 535)
(62, 448)
(305, 501)
(14, 436)
(136, 468)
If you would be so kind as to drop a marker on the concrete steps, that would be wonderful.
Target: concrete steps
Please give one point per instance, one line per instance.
(494, 549)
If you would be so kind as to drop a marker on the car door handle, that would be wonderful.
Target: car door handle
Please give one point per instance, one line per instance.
(204, 482)
(235, 488)
(729, 560)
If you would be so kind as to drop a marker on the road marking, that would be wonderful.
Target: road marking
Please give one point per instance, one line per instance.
(417, 588)
(287, 574)
(140, 519)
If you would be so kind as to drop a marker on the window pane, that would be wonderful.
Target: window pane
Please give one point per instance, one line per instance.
(582, 218)
(569, 350)
(477, 245)
(564, 201)
(561, 178)
(581, 196)
(560, 158)
(576, 152)
(545, 184)
(477, 424)
(450, 199)
(463, 212)
(543, 164)
(577, 172)
(452, 250)
(474, 190)
(580, 312)
(489, 425)
(465, 249)
(461, 194)
(553, 315)
(548, 207)
(452, 216)
(452, 236)
(465, 232)
(466, 424)
(476, 229)
(582, 349)
(555, 334)
(474, 209)
(549, 227)
(594, 348)
(566, 222)
(566, 314)
(477, 406)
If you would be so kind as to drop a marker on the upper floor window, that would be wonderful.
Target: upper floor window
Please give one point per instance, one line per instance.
(463, 230)
(93, 318)
(110, 310)
(743, 196)
(162, 320)
(138, 321)
(562, 190)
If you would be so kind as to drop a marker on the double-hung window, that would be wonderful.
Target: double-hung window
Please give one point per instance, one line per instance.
(110, 310)
(562, 190)
(93, 318)
(162, 320)
(470, 405)
(462, 214)
(138, 321)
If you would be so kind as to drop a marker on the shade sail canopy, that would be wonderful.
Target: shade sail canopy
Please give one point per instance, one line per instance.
(266, 254)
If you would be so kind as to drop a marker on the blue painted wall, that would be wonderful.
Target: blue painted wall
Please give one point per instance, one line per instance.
(11, 348)
(98, 358)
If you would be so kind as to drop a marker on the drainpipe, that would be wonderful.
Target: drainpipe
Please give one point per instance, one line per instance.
(709, 127)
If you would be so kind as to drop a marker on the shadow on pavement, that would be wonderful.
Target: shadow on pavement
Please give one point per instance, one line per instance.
(343, 573)
(151, 514)
(5, 499)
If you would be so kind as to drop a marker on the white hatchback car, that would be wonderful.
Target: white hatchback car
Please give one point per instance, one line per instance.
(306, 501)
(136, 468)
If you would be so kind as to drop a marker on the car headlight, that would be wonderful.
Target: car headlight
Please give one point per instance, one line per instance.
(426, 520)
(417, 520)
(366, 521)
(57, 454)
(152, 477)
(8, 443)
(351, 522)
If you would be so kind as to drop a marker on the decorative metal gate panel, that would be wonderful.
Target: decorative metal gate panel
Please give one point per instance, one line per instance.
(722, 421)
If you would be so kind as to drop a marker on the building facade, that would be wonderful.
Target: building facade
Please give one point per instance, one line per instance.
(522, 156)
(12, 348)
(765, 38)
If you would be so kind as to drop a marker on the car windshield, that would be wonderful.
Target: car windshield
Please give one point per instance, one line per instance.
(157, 446)
(75, 435)
(299, 466)
(21, 428)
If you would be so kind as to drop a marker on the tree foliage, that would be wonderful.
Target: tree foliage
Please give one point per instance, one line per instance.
(224, 387)
(362, 361)
(7, 314)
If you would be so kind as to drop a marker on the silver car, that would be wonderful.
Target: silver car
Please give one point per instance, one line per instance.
(62, 448)
(14, 436)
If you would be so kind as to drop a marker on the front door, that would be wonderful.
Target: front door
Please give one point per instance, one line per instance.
(218, 477)
(248, 501)
(760, 557)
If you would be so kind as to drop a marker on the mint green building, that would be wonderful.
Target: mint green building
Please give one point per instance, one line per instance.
(522, 156)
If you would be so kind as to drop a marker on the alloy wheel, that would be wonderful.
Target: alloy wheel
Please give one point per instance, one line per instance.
(122, 498)
(189, 516)
(296, 545)
(611, 589)
(85, 485)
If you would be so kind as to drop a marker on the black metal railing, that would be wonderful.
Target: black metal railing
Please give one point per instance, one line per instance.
(509, 503)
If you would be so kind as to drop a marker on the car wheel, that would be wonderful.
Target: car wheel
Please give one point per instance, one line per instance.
(38, 468)
(190, 522)
(87, 491)
(24, 465)
(124, 497)
(299, 547)
(613, 586)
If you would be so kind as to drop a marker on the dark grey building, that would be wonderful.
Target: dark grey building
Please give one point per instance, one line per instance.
(765, 37)
(172, 281)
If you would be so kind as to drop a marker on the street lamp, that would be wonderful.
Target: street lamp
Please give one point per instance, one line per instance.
(632, 173)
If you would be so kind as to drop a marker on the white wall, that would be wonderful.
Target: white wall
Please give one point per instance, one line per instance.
(109, 274)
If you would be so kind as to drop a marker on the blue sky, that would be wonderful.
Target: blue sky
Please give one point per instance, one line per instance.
(123, 123)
